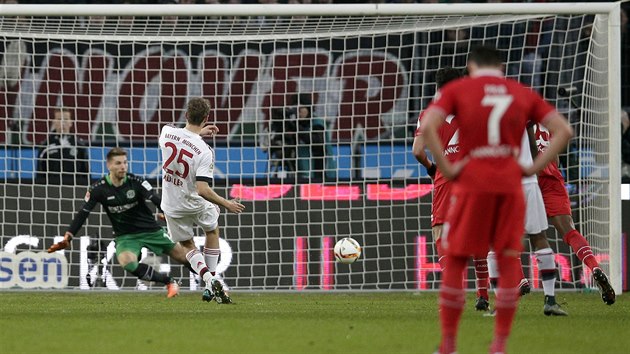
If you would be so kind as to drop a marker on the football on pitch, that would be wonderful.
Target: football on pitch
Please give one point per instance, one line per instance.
(347, 250)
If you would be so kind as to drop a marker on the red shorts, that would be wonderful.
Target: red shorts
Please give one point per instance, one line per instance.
(479, 221)
(555, 196)
(441, 202)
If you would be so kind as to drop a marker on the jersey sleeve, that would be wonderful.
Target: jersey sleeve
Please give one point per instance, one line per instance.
(444, 101)
(92, 197)
(148, 192)
(205, 171)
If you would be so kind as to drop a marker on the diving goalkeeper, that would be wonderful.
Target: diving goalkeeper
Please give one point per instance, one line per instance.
(123, 196)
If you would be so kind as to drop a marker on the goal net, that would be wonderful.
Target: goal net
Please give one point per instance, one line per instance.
(120, 73)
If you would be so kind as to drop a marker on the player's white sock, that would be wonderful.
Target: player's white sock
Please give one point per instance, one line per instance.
(195, 258)
(211, 255)
(547, 267)
(493, 270)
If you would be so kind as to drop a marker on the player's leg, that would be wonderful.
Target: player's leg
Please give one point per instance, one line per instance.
(581, 247)
(507, 298)
(178, 253)
(481, 281)
(558, 209)
(507, 243)
(211, 253)
(208, 220)
(547, 267)
(468, 211)
(437, 237)
(439, 209)
(535, 226)
(180, 229)
(127, 249)
(159, 243)
(493, 274)
(452, 300)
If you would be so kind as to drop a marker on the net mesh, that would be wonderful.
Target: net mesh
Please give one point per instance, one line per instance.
(351, 175)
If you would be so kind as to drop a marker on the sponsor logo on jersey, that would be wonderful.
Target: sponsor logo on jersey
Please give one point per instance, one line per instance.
(453, 145)
(117, 209)
(131, 194)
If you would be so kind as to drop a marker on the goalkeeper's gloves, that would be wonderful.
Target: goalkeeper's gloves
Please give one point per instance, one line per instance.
(61, 244)
(431, 170)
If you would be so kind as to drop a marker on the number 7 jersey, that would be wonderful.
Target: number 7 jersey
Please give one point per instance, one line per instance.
(491, 112)
(186, 160)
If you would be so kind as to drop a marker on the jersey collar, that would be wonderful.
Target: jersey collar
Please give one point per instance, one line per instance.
(488, 72)
(109, 180)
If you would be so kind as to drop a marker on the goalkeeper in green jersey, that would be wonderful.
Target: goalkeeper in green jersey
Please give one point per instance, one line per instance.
(123, 196)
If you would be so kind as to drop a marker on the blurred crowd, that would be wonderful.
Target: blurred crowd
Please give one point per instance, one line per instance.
(449, 48)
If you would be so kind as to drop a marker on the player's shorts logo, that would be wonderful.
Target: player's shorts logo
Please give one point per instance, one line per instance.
(131, 193)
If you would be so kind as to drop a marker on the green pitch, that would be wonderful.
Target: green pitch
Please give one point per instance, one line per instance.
(140, 322)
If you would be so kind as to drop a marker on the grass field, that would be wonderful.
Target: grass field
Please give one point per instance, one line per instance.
(137, 322)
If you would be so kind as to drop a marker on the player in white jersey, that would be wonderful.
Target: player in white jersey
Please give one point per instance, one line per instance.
(188, 199)
(535, 227)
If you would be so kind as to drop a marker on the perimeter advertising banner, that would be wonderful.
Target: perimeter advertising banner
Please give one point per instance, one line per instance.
(283, 241)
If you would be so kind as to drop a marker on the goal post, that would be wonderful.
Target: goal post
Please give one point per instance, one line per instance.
(364, 70)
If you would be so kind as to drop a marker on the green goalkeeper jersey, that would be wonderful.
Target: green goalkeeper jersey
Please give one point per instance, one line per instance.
(125, 205)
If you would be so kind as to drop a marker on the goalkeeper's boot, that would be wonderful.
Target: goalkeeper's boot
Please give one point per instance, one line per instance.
(172, 288)
(608, 293)
(524, 287)
(219, 293)
(552, 308)
(482, 304)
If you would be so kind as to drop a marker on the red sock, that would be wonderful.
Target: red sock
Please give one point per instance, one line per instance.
(452, 298)
(440, 253)
(507, 300)
(582, 249)
(481, 275)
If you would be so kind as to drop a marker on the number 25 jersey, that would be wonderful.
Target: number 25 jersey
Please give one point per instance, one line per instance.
(186, 159)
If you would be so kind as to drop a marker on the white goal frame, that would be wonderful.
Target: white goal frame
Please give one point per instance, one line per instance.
(612, 10)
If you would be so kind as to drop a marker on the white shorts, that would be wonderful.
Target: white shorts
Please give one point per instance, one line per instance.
(180, 228)
(535, 215)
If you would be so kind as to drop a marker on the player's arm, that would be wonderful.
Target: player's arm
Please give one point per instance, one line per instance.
(148, 192)
(561, 132)
(531, 136)
(421, 155)
(91, 199)
(204, 190)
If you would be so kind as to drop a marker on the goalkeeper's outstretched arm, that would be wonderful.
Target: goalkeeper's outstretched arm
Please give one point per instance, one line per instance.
(77, 222)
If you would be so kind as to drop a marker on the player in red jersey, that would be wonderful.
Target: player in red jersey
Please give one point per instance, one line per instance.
(442, 187)
(558, 208)
(487, 205)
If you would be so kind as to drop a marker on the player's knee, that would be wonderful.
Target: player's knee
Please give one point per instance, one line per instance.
(127, 259)
(539, 241)
(563, 223)
(213, 233)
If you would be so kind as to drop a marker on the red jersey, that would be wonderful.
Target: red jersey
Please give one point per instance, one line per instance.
(543, 136)
(449, 136)
(491, 112)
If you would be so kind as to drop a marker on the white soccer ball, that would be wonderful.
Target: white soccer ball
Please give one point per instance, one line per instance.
(347, 250)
